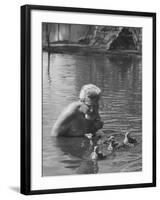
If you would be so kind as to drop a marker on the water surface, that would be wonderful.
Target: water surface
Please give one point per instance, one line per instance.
(120, 79)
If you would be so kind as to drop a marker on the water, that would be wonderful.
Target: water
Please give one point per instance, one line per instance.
(120, 79)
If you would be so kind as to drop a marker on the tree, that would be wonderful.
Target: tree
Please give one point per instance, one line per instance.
(48, 33)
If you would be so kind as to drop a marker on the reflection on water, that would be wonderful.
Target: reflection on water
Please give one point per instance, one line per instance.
(120, 78)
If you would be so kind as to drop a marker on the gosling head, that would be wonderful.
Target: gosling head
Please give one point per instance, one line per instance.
(127, 134)
(95, 148)
(89, 135)
(126, 137)
(110, 146)
(111, 138)
(94, 154)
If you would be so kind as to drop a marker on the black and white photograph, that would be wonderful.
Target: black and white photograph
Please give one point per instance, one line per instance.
(92, 99)
(88, 99)
(79, 100)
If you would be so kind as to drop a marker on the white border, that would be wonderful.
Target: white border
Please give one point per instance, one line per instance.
(42, 183)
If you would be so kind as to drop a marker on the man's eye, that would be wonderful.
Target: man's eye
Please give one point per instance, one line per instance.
(95, 106)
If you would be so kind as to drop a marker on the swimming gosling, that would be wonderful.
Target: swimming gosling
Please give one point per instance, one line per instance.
(128, 140)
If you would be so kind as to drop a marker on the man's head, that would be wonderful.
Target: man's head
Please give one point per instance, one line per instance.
(89, 91)
(89, 96)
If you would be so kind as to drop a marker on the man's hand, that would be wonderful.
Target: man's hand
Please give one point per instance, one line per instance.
(98, 124)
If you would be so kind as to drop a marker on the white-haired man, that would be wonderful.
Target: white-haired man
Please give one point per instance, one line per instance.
(82, 116)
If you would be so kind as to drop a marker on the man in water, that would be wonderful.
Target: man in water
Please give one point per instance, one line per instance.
(82, 116)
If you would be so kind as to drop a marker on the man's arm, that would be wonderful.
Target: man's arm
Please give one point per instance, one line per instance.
(63, 122)
(98, 123)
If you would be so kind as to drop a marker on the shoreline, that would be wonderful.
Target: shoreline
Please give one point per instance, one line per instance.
(86, 50)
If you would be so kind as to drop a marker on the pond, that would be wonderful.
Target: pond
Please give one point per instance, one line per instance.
(120, 79)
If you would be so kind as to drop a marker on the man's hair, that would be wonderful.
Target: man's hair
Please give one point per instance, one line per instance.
(89, 90)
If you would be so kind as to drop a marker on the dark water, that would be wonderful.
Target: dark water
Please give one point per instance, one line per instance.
(120, 79)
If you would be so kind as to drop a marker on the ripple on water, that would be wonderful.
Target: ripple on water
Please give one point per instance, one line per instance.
(120, 109)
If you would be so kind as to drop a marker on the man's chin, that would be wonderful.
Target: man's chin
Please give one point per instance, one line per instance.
(89, 117)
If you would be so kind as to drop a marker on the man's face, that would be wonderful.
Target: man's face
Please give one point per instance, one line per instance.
(91, 108)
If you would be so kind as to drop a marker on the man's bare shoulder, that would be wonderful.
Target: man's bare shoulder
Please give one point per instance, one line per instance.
(73, 107)
(65, 117)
